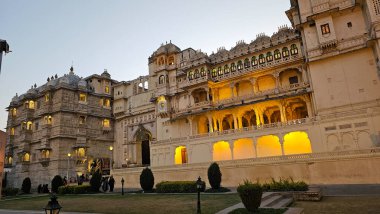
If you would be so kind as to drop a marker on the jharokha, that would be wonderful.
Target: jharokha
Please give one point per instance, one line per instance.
(304, 103)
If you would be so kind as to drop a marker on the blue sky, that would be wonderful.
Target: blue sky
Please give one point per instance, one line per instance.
(46, 36)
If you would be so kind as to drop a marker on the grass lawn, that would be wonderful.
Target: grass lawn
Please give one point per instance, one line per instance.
(260, 211)
(342, 205)
(131, 203)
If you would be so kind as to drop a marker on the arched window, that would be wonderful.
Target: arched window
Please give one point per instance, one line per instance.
(233, 67)
(240, 65)
(161, 79)
(226, 69)
(29, 125)
(277, 54)
(106, 123)
(254, 61)
(203, 72)
(12, 131)
(213, 73)
(285, 52)
(191, 75)
(269, 57)
(171, 60)
(261, 59)
(14, 112)
(196, 74)
(26, 157)
(293, 49)
(220, 72)
(246, 63)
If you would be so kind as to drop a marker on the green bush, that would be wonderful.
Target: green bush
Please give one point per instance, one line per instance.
(250, 194)
(221, 189)
(147, 179)
(81, 189)
(214, 176)
(285, 185)
(9, 191)
(178, 187)
(56, 183)
(96, 181)
(26, 185)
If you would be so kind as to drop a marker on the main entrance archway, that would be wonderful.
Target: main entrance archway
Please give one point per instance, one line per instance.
(142, 138)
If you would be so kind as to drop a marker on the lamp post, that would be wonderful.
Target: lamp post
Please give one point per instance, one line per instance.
(68, 165)
(199, 188)
(53, 206)
(111, 149)
(122, 186)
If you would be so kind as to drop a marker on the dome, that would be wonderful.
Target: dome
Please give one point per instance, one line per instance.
(167, 49)
(64, 80)
(105, 74)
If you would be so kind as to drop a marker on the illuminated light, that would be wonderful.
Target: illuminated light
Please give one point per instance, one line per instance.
(243, 149)
(222, 151)
(268, 146)
(68, 155)
(296, 143)
(180, 156)
(110, 148)
(161, 99)
(26, 157)
(106, 123)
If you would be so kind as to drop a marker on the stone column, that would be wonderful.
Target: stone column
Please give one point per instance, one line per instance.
(235, 122)
(307, 100)
(189, 95)
(210, 129)
(257, 117)
(281, 139)
(276, 75)
(207, 94)
(240, 121)
(253, 83)
(231, 142)
(215, 125)
(305, 78)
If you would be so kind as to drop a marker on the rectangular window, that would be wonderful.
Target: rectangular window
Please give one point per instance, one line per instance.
(12, 131)
(82, 97)
(14, 112)
(325, 29)
(106, 123)
(47, 97)
(107, 89)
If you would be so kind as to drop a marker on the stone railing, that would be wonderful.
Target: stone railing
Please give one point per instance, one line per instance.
(250, 129)
(195, 81)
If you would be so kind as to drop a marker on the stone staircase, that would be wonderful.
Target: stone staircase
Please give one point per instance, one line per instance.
(270, 200)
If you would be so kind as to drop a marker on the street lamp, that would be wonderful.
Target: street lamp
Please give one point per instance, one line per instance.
(53, 206)
(68, 165)
(111, 149)
(122, 186)
(199, 189)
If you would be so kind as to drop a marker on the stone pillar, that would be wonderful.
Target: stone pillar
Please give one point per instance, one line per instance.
(231, 142)
(235, 122)
(232, 86)
(253, 83)
(276, 75)
(215, 125)
(210, 129)
(281, 139)
(189, 95)
(307, 100)
(207, 94)
(220, 125)
(257, 117)
(305, 78)
(240, 121)
(282, 111)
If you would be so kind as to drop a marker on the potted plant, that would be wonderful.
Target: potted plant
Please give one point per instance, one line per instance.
(250, 194)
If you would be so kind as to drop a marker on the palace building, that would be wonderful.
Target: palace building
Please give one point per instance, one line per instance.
(59, 128)
(292, 104)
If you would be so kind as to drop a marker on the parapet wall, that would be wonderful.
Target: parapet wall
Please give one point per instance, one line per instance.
(346, 167)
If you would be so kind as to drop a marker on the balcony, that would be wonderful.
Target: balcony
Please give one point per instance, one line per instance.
(242, 132)
(29, 113)
(25, 136)
(193, 82)
(44, 162)
(165, 67)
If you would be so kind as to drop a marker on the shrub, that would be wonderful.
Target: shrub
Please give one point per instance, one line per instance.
(56, 183)
(178, 187)
(221, 189)
(214, 176)
(285, 185)
(26, 185)
(96, 181)
(147, 179)
(250, 194)
(9, 191)
(81, 189)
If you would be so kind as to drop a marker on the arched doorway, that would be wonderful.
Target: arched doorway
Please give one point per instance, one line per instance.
(143, 136)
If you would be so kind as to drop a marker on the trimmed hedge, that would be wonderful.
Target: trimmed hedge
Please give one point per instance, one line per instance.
(56, 183)
(214, 176)
(147, 179)
(26, 185)
(81, 189)
(285, 185)
(10, 191)
(178, 187)
(221, 189)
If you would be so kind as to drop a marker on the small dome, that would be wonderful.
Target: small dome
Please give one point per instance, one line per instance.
(64, 80)
(167, 49)
(15, 98)
(105, 74)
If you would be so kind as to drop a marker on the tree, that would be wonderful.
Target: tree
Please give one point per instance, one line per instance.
(214, 176)
(147, 179)
(96, 181)
(56, 183)
(26, 185)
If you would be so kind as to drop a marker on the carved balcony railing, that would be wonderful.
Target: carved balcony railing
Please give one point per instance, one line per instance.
(234, 132)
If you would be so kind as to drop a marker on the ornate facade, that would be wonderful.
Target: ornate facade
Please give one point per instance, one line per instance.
(305, 91)
(312, 88)
(67, 115)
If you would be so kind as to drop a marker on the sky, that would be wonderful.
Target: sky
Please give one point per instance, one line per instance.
(46, 37)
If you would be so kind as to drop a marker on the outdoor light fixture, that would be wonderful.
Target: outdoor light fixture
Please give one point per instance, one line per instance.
(111, 149)
(199, 189)
(53, 206)
(122, 186)
(68, 164)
